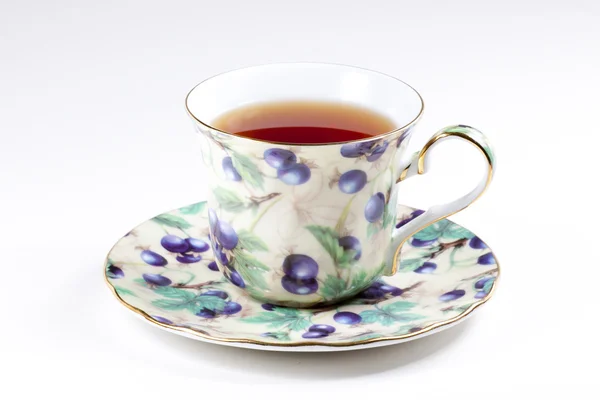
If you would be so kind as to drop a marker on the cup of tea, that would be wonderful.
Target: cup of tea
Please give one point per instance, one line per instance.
(304, 164)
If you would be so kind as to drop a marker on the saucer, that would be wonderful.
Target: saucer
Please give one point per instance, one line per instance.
(446, 272)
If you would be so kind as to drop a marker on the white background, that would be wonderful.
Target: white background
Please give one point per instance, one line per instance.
(95, 139)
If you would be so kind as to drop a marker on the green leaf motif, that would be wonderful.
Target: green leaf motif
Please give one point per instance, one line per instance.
(229, 200)
(173, 221)
(456, 232)
(291, 312)
(250, 268)
(488, 285)
(140, 281)
(249, 261)
(346, 259)
(409, 265)
(182, 299)
(171, 305)
(122, 291)
(281, 336)
(332, 287)
(388, 216)
(433, 231)
(372, 229)
(247, 170)
(443, 229)
(176, 299)
(390, 314)
(360, 280)
(213, 303)
(299, 324)
(373, 316)
(281, 320)
(460, 129)
(398, 307)
(328, 238)
(250, 242)
(193, 209)
(174, 293)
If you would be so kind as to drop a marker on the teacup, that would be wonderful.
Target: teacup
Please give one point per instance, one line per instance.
(328, 237)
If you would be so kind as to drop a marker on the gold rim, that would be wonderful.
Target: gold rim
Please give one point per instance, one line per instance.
(381, 136)
(209, 338)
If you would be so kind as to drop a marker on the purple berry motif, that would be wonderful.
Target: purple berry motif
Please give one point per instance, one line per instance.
(327, 329)
(156, 279)
(299, 266)
(174, 244)
(188, 258)
(355, 150)
(351, 243)
(378, 152)
(422, 243)
(347, 318)
(212, 219)
(379, 290)
(114, 272)
(268, 306)
(481, 283)
(213, 266)
(374, 207)
(297, 174)
(222, 257)
(231, 173)
(414, 329)
(352, 181)
(480, 295)
(486, 259)
(217, 293)
(426, 268)
(413, 215)
(161, 319)
(372, 293)
(152, 258)
(279, 158)
(206, 313)
(196, 245)
(313, 335)
(403, 222)
(297, 286)
(477, 243)
(393, 290)
(402, 138)
(416, 213)
(236, 279)
(452, 295)
(226, 235)
(231, 307)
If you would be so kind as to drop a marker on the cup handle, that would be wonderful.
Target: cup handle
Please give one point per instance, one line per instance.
(418, 165)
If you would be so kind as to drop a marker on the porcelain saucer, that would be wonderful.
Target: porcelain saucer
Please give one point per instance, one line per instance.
(446, 272)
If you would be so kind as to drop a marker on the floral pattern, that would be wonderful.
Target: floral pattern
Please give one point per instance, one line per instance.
(165, 270)
(280, 205)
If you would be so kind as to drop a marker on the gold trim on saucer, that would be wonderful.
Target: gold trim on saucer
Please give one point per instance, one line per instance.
(209, 338)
